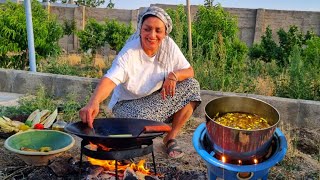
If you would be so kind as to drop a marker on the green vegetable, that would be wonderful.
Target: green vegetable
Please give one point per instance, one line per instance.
(28, 123)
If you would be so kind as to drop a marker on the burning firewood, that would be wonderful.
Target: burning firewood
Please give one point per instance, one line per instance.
(140, 175)
(107, 175)
(94, 172)
(129, 174)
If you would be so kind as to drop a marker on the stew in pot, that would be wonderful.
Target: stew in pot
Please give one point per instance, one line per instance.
(245, 121)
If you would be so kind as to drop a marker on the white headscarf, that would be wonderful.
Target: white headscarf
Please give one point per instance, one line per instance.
(156, 11)
(163, 51)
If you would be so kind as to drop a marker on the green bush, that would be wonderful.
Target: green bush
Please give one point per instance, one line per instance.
(312, 52)
(287, 41)
(180, 27)
(13, 34)
(218, 54)
(267, 50)
(117, 34)
(69, 27)
(96, 35)
(215, 39)
(92, 37)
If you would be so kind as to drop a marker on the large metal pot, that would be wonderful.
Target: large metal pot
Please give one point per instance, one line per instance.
(237, 143)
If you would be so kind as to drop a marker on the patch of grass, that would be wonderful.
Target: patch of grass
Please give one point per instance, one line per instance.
(41, 100)
(264, 86)
(313, 175)
(289, 164)
(70, 108)
(29, 103)
(74, 65)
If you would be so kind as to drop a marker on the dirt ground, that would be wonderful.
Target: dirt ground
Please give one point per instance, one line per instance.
(302, 160)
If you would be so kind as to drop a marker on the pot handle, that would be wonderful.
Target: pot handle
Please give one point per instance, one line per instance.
(155, 129)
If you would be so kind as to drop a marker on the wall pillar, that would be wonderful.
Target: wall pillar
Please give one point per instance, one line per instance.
(260, 25)
(79, 17)
(134, 18)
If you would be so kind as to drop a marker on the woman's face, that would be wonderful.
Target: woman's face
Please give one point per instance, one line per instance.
(153, 31)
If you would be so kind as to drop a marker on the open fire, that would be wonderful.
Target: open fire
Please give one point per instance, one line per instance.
(114, 169)
(137, 142)
(109, 165)
(105, 169)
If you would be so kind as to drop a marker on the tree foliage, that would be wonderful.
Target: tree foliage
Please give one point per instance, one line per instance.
(90, 3)
(69, 27)
(96, 35)
(208, 3)
(217, 33)
(215, 44)
(110, 4)
(180, 27)
(117, 34)
(13, 34)
(92, 37)
(268, 50)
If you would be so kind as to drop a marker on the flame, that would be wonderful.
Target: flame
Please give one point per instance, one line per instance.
(105, 148)
(109, 165)
(223, 159)
(239, 161)
(94, 147)
(255, 161)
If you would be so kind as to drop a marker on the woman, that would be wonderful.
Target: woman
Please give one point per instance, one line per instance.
(150, 79)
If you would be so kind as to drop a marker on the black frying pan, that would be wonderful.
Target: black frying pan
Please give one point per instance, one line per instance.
(119, 132)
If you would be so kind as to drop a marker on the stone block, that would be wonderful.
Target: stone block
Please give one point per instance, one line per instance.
(5, 80)
(78, 86)
(30, 82)
(309, 115)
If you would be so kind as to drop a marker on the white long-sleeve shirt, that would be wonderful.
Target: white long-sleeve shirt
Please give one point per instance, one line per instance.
(138, 75)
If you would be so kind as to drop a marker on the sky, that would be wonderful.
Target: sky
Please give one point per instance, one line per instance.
(299, 5)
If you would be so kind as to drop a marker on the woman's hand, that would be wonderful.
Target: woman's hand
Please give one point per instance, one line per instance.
(169, 86)
(88, 113)
(91, 110)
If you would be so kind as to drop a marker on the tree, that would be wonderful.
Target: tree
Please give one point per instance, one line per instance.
(208, 3)
(90, 3)
(216, 31)
(110, 5)
(267, 50)
(117, 34)
(92, 37)
(13, 34)
(96, 35)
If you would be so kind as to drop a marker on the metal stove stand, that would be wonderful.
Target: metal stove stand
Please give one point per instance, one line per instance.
(118, 154)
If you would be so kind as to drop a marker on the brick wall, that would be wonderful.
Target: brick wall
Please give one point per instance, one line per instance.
(251, 22)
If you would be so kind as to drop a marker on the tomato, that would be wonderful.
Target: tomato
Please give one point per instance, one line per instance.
(38, 126)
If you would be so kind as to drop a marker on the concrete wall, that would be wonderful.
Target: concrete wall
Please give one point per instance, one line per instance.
(294, 112)
(251, 22)
(22, 82)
